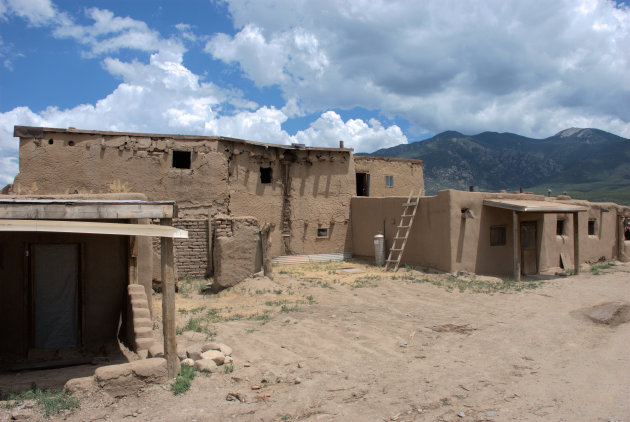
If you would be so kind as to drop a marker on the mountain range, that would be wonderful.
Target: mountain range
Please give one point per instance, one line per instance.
(585, 163)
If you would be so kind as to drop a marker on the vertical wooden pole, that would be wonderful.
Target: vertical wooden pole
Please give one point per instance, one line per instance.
(517, 248)
(133, 259)
(576, 244)
(210, 267)
(621, 237)
(168, 303)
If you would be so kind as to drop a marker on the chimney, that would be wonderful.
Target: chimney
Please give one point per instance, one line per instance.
(471, 188)
(340, 144)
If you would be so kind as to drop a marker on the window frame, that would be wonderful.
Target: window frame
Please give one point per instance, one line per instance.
(502, 240)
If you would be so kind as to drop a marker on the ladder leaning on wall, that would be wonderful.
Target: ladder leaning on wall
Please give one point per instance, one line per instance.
(400, 241)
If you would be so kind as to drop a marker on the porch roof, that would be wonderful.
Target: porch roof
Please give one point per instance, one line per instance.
(90, 227)
(533, 206)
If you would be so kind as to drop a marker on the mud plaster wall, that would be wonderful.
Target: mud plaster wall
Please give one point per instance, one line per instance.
(309, 189)
(237, 252)
(104, 273)
(407, 174)
(442, 239)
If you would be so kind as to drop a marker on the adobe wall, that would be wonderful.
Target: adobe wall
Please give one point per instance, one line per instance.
(407, 174)
(428, 243)
(104, 273)
(308, 188)
(237, 250)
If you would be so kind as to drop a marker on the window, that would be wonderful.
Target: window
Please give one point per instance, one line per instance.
(181, 159)
(363, 184)
(389, 181)
(591, 227)
(497, 236)
(322, 232)
(560, 227)
(265, 175)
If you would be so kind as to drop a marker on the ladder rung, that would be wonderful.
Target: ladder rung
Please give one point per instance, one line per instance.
(398, 238)
(410, 204)
(403, 227)
(395, 249)
(407, 215)
(392, 260)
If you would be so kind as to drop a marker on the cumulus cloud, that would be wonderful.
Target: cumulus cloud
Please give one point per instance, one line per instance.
(36, 12)
(517, 66)
(164, 96)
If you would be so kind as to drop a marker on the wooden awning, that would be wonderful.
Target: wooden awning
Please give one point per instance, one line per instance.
(89, 227)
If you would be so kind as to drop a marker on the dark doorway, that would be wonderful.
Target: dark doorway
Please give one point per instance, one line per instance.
(363, 184)
(529, 251)
(55, 292)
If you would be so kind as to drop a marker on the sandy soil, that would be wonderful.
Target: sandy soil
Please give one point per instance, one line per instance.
(324, 344)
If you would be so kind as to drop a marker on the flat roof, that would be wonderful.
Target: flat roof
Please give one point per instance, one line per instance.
(38, 133)
(533, 206)
(88, 227)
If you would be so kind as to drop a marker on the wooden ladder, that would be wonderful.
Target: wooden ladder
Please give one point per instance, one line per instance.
(406, 220)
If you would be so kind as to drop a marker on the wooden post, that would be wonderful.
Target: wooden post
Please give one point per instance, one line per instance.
(210, 267)
(621, 237)
(133, 259)
(576, 244)
(517, 249)
(168, 303)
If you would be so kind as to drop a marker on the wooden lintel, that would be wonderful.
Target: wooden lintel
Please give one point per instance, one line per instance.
(78, 211)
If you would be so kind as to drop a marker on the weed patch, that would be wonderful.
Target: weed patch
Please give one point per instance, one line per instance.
(184, 380)
(50, 402)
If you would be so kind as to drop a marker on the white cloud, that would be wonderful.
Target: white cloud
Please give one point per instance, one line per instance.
(515, 66)
(36, 12)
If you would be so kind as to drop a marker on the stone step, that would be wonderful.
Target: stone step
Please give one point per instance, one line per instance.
(143, 343)
(143, 332)
(136, 288)
(142, 322)
(141, 304)
(138, 296)
(141, 313)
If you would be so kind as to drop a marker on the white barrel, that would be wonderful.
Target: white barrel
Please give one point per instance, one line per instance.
(379, 249)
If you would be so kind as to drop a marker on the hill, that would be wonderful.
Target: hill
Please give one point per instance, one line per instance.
(586, 163)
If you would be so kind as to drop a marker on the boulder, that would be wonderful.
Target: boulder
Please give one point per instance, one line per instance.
(214, 355)
(205, 365)
(188, 362)
(83, 385)
(193, 352)
(156, 350)
(609, 313)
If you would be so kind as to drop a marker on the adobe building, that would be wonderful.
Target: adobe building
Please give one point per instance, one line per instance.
(302, 192)
(75, 274)
(496, 233)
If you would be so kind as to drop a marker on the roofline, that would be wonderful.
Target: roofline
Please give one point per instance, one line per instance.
(38, 132)
(376, 157)
(533, 208)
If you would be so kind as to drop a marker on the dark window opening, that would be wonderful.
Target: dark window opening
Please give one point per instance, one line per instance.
(322, 232)
(265, 175)
(389, 181)
(181, 159)
(497, 236)
(560, 227)
(591, 227)
(363, 184)
(50, 141)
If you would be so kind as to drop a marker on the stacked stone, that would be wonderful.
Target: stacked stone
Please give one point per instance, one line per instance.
(224, 225)
(205, 358)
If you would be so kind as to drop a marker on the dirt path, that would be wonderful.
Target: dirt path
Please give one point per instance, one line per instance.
(327, 345)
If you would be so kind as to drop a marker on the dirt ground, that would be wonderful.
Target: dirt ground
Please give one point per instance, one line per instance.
(326, 344)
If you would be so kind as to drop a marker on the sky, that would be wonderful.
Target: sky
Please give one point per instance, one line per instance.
(371, 73)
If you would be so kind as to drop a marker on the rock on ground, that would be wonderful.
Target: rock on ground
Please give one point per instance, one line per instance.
(609, 313)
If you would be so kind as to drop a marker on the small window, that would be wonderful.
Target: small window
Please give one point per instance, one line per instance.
(265, 175)
(591, 227)
(497, 236)
(560, 227)
(389, 181)
(322, 232)
(181, 159)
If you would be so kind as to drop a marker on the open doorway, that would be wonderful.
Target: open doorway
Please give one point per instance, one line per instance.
(363, 184)
(55, 296)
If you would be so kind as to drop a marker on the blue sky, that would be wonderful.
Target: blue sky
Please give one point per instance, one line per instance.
(372, 73)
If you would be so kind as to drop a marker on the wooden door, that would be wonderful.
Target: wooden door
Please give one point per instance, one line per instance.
(529, 250)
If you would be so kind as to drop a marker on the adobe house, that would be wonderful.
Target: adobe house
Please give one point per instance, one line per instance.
(75, 274)
(302, 192)
(496, 233)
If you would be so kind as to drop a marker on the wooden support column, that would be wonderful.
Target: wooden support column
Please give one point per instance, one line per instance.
(576, 244)
(133, 257)
(621, 237)
(168, 303)
(517, 247)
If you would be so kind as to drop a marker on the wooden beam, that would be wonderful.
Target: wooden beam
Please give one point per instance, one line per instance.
(91, 227)
(168, 303)
(517, 248)
(83, 211)
(576, 244)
